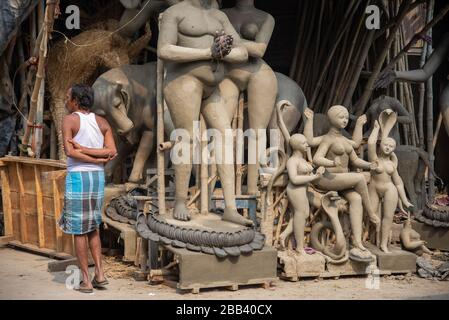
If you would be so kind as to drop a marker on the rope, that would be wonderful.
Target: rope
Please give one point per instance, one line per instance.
(101, 39)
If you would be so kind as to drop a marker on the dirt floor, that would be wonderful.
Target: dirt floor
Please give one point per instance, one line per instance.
(25, 276)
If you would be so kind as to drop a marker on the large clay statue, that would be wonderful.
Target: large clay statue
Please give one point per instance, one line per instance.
(411, 240)
(127, 97)
(438, 57)
(253, 76)
(195, 58)
(386, 186)
(335, 152)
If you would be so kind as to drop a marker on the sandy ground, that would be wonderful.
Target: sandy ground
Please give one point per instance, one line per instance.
(25, 276)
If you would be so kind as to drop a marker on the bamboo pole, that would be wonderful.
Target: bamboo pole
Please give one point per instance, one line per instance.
(160, 137)
(204, 204)
(430, 148)
(239, 167)
(46, 27)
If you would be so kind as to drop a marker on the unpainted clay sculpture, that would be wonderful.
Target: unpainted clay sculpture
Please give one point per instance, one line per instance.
(126, 96)
(253, 76)
(411, 240)
(300, 174)
(386, 187)
(438, 57)
(196, 41)
(335, 152)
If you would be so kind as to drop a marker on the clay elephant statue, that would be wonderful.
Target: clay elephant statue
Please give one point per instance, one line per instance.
(126, 96)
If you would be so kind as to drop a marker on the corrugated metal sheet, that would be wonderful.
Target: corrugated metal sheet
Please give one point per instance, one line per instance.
(12, 13)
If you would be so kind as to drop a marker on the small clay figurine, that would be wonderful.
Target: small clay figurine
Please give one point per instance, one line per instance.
(411, 240)
(386, 185)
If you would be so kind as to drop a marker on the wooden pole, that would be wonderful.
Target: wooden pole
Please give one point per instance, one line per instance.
(430, 148)
(239, 167)
(160, 137)
(204, 204)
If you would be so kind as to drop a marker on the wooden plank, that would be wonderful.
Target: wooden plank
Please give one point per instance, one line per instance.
(42, 251)
(40, 208)
(61, 265)
(26, 160)
(57, 209)
(54, 175)
(6, 200)
(5, 240)
(23, 223)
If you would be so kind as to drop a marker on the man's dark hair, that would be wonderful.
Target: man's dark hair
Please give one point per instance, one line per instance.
(84, 95)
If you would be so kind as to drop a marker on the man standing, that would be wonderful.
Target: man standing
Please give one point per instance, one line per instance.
(88, 144)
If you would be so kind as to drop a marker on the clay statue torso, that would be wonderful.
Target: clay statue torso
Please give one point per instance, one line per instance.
(340, 147)
(382, 175)
(197, 30)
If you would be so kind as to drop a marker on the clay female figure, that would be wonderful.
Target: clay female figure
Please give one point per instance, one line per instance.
(254, 76)
(386, 185)
(188, 44)
(335, 152)
(300, 175)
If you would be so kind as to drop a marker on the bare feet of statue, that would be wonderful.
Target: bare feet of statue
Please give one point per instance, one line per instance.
(300, 251)
(360, 246)
(232, 215)
(181, 212)
(384, 249)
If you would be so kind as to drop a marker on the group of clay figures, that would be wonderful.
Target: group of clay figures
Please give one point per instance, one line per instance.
(210, 57)
(377, 191)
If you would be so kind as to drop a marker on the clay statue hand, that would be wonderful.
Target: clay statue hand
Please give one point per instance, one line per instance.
(337, 162)
(374, 165)
(362, 120)
(385, 79)
(320, 171)
(376, 125)
(308, 114)
(222, 45)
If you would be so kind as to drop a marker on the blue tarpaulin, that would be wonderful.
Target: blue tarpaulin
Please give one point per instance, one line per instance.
(12, 14)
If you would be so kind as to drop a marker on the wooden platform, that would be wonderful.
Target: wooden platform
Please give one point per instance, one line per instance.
(199, 271)
(128, 234)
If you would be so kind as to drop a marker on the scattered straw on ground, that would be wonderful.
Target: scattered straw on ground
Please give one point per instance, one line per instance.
(115, 268)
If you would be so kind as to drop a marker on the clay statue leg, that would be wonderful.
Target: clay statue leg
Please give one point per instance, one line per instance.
(212, 111)
(230, 97)
(374, 197)
(356, 217)
(298, 199)
(143, 152)
(390, 203)
(444, 107)
(183, 96)
(346, 181)
(262, 91)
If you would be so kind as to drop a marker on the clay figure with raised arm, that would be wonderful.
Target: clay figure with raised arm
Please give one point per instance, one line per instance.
(335, 152)
(438, 57)
(195, 42)
(253, 76)
(386, 186)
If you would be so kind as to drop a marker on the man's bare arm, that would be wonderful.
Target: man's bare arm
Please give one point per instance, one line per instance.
(70, 151)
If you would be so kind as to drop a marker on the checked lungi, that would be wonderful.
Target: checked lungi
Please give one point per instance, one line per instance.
(83, 201)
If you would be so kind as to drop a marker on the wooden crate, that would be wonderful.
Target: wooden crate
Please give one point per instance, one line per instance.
(33, 194)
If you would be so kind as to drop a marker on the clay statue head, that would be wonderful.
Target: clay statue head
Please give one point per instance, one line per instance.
(298, 142)
(338, 117)
(387, 146)
(249, 31)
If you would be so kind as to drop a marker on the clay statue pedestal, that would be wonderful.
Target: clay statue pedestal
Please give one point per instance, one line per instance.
(397, 261)
(295, 266)
(199, 271)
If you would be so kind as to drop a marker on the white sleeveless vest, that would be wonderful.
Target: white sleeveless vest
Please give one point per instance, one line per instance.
(90, 136)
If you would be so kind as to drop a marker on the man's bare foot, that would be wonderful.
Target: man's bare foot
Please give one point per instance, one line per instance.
(181, 212)
(232, 215)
